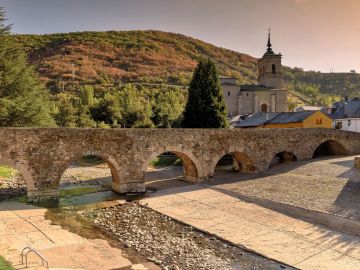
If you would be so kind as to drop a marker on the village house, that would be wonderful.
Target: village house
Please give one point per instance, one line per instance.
(345, 114)
(307, 108)
(268, 95)
(302, 119)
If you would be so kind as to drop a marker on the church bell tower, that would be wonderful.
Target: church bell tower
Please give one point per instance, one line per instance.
(269, 68)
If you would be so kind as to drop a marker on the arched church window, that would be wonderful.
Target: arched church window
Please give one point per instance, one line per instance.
(273, 69)
(264, 107)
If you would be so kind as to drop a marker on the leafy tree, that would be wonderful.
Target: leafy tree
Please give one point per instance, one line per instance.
(23, 99)
(66, 115)
(107, 110)
(136, 109)
(205, 107)
(168, 108)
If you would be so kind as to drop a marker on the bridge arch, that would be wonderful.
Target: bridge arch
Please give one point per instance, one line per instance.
(329, 147)
(242, 161)
(191, 166)
(108, 159)
(281, 157)
(22, 169)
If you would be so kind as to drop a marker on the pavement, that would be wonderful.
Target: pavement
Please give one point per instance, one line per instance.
(330, 185)
(23, 225)
(291, 241)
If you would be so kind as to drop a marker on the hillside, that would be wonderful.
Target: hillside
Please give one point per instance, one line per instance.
(135, 56)
(154, 59)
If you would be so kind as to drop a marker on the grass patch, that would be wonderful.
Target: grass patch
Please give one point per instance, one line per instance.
(6, 172)
(164, 161)
(5, 265)
(70, 192)
(22, 199)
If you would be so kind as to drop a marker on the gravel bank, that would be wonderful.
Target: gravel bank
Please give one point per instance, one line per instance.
(170, 244)
(12, 187)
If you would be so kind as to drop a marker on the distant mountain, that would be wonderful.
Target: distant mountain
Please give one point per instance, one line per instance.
(65, 61)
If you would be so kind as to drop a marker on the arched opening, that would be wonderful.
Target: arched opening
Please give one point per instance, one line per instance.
(86, 174)
(168, 169)
(264, 107)
(330, 148)
(12, 184)
(281, 158)
(273, 68)
(234, 162)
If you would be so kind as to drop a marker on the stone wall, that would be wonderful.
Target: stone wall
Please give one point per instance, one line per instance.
(231, 98)
(42, 155)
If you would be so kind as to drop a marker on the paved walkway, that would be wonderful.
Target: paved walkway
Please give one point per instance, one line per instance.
(330, 185)
(24, 225)
(277, 236)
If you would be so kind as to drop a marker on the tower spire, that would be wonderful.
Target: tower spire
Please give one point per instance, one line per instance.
(269, 49)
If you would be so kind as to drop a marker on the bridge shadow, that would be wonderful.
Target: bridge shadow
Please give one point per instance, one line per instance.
(346, 203)
(342, 242)
(348, 200)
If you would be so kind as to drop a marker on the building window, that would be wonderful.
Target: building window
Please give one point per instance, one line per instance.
(349, 123)
(338, 125)
(247, 94)
(264, 108)
(273, 69)
(319, 121)
(229, 93)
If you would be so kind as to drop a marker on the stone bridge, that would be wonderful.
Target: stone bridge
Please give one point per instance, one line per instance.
(42, 155)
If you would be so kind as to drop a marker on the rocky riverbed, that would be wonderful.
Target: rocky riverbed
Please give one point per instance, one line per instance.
(12, 187)
(170, 244)
(15, 186)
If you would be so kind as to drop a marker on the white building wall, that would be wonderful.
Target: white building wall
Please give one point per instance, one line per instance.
(350, 124)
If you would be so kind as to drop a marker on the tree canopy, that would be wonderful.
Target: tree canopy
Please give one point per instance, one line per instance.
(205, 107)
(24, 101)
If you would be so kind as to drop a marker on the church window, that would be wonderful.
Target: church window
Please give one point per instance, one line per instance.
(273, 69)
(264, 108)
(229, 93)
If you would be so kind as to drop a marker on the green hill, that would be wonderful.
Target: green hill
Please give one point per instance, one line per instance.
(154, 62)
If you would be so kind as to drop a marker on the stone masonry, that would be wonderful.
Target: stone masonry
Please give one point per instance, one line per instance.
(42, 155)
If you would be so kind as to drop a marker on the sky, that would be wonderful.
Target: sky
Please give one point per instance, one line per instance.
(319, 35)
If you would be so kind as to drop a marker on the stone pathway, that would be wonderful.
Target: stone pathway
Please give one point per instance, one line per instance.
(272, 234)
(330, 185)
(24, 225)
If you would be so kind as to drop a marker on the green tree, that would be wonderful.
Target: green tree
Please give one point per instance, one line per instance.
(168, 108)
(23, 99)
(66, 115)
(205, 107)
(107, 110)
(136, 110)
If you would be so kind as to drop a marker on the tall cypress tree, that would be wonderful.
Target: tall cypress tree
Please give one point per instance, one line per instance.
(23, 99)
(205, 107)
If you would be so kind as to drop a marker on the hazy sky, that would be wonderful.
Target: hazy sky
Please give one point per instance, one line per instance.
(313, 34)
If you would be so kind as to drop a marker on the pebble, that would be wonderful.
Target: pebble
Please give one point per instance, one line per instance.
(170, 244)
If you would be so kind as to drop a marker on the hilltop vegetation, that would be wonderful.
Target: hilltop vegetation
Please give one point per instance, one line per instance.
(140, 78)
(150, 57)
